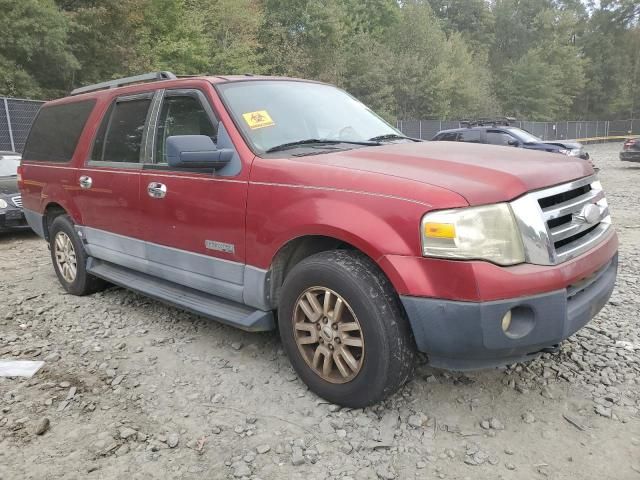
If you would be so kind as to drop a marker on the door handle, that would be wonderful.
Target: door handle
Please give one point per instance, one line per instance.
(157, 190)
(85, 182)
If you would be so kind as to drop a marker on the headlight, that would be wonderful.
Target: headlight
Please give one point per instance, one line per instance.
(484, 233)
(574, 152)
(3, 204)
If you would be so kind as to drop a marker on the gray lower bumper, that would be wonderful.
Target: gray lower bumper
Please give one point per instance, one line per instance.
(630, 156)
(469, 335)
(35, 221)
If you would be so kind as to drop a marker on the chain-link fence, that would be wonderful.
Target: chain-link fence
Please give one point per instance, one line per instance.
(426, 129)
(16, 117)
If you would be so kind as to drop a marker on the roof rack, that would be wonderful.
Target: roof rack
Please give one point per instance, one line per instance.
(482, 122)
(146, 77)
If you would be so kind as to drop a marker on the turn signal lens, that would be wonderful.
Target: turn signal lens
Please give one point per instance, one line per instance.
(439, 230)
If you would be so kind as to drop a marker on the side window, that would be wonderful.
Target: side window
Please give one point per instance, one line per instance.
(56, 131)
(448, 137)
(497, 137)
(119, 138)
(471, 136)
(181, 115)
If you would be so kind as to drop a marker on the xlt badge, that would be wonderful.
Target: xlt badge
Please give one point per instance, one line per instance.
(220, 246)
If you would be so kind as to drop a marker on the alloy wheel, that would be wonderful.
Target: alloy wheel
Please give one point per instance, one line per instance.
(328, 335)
(65, 256)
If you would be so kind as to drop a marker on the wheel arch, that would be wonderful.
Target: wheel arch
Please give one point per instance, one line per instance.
(51, 212)
(297, 249)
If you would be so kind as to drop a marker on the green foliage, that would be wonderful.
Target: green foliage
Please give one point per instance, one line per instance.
(539, 59)
(34, 55)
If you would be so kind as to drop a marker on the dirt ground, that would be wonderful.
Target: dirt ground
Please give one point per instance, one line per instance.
(137, 390)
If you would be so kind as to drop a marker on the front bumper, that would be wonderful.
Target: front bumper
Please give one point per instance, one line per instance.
(11, 218)
(468, 335)
(630, 156)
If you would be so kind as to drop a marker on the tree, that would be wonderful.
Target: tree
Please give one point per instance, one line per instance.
(35, 59)
(104, 37)
(434, 76)
(472, 19)
(539, 59)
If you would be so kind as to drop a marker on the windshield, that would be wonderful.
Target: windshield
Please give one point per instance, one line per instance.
(9, 165)
(523, 135)
(273, 113)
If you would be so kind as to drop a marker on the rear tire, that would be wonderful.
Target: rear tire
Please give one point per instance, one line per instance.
(70, 260)
(344, 330)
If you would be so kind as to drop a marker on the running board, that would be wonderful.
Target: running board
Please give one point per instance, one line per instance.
(194, 301)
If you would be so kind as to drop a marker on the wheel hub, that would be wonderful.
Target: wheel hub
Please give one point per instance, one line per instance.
(328, 335)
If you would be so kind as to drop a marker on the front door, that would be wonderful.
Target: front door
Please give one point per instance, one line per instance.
(193, 221)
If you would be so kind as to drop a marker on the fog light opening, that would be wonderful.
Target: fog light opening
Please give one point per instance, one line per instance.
(518, 322)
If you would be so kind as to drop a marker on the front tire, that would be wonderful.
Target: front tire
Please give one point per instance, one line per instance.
(70, 260)
(344, 330)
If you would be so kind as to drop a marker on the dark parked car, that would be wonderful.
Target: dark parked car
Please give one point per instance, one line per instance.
(501, 133)
(11, 215)
(631, 150)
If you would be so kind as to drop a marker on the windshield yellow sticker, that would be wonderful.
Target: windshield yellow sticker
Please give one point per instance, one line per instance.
(259, 119)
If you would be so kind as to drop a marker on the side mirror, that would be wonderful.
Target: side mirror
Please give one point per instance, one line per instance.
(196, 151)
(514, 143)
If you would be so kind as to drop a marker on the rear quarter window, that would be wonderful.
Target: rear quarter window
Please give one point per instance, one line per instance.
(56, 130)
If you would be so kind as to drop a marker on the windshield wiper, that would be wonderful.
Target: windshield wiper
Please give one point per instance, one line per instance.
(311, 141)
(392, 136)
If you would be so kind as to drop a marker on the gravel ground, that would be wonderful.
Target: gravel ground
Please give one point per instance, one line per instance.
(134, 389)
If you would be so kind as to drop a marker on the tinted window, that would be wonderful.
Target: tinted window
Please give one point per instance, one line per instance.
(119, 138)
(496, 137)
(181, 115)
(56, 131)
(98, 144)
(472, 136)
(448, 137)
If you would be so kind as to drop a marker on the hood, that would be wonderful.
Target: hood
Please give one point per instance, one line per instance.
(479, 173)
(9, 186)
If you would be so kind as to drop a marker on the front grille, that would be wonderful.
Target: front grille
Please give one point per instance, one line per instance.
(574, 217)
(562, 222)
(17, 201)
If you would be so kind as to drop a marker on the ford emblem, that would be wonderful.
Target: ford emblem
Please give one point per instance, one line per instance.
(590, 214)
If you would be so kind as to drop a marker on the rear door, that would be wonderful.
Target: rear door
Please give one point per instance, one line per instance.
(193, 221)
(110, 182)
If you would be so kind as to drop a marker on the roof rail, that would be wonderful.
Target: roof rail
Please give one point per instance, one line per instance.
(146, 77)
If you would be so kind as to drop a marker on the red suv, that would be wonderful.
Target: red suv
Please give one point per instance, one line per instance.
(279, 203)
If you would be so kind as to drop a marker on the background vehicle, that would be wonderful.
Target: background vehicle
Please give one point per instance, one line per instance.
(11, 215)
(236, 197)
(631, 150)
(500, 133)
